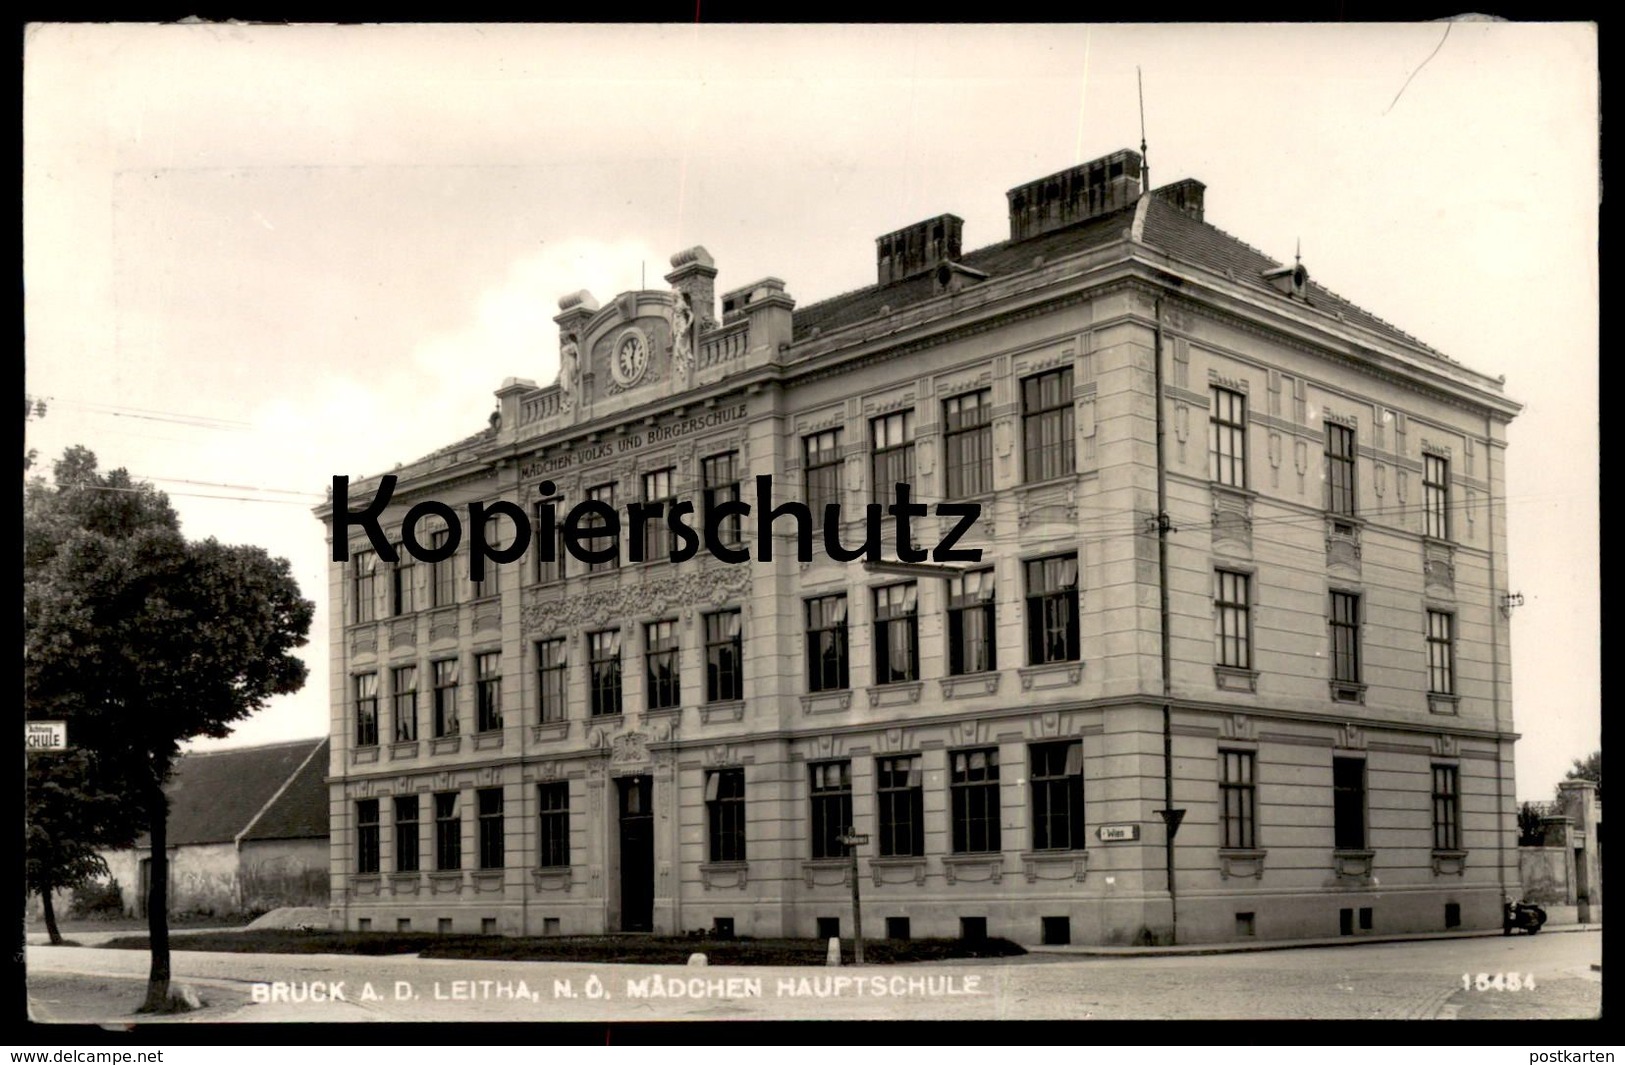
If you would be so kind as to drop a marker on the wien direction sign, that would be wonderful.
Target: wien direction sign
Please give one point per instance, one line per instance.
(1118, 833)
(46, 735)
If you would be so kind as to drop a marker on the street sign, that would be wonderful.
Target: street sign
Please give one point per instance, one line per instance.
(852, 840)
(46, 735)
(1118, 833)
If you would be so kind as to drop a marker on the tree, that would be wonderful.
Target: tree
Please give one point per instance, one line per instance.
(69, 819)
(1531, 831)
(1588, 768)
(74, 809)
(143, 641)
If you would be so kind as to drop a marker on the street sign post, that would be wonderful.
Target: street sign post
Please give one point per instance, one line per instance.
(46, 735)
(852, 841)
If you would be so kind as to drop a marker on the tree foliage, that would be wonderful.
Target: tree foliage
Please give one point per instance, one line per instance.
(69, 819)
(1531, 832)
(1588, 768)
(142, 640)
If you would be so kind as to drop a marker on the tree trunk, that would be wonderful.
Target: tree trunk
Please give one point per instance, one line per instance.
(158, 904)
(50, 913)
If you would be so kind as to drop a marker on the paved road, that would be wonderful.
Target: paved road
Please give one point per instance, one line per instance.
(1421, 980)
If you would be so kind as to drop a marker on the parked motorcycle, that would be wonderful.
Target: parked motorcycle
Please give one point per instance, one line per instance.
(1524, 915)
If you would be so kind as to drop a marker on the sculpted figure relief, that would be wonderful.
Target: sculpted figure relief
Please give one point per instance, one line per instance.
(682, 319)
(569, 373)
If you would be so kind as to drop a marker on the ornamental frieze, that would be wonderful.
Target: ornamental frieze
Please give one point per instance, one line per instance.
(710, 586)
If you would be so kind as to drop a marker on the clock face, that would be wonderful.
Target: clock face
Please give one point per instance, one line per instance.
(631, 358)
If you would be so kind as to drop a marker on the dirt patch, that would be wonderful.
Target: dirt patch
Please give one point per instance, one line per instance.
(312, 918)
(68, 998)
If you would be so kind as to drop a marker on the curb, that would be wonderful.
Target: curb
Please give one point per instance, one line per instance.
(1284, 944)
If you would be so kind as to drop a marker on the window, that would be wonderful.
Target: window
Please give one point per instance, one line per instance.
(1057, 787)
(724, 657)
(1446, 809)
(445, 698)
(548, 571)
(366, 710)
(553, 821)
(901, 794)
(366, 836)
(1340, 496)
(1436, 497)
(968, 440)
(660, 643)
(448, 832)
(489, 801)
(406, 833)
(403, 681)
(601, 539)
(1227, 438)
(403, 595)
(897, 630)
(1441, 653)
(604, 660)
(1232, 620)
(826, 644)
(831, 808)
(1345, 624)
(488, 690)
(550, 681)
(719, 477)
(893, 460)
(1238, 800)
(823, 466)
(725, 812)
(658, 539)
(442, 574)
(1047, 434)
(498, 536)
(971, 643)
(364, 576)
(1052, 610)
(897, 928)
(1348, 804)
(974, 785)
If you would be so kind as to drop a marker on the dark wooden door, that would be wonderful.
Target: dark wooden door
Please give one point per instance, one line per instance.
(637, 854)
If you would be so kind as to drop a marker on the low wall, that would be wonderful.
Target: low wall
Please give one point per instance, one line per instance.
(1546, 874)
(291, 872)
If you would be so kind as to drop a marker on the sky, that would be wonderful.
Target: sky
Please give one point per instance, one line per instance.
(256, 257)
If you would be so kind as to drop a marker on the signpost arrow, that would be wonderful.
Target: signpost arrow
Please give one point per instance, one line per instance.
(852, 841)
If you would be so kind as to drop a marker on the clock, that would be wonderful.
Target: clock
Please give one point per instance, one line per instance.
(629, 359)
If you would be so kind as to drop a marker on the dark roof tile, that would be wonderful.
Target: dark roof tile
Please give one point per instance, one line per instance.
(214, 795)
(1167, 229)
(300, 812)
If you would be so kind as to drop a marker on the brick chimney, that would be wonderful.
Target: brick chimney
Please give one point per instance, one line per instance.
(918, 248)
(1083, 192)
(1185, 195)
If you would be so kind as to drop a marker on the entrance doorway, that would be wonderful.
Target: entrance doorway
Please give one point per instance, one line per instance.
(637, 854)
(144, 887)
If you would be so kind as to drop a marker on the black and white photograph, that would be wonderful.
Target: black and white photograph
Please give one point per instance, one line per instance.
(697, 522)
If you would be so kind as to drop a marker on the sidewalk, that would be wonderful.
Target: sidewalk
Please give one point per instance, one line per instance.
(96, 937)
(1289, 944)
